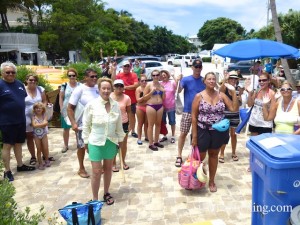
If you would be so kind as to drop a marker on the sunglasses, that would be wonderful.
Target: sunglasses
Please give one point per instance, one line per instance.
(10, 72)
(31, 80)
(155, 75)
(143, 81)
(119, 85)
(126, 66)
(95, 76)
(198, 66)
(263, 80)
(286, 89)
(72, 75)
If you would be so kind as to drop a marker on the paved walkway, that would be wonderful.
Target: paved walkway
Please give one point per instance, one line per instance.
(150, 195)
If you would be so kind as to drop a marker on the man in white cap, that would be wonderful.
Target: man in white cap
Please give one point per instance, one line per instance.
(131, 82)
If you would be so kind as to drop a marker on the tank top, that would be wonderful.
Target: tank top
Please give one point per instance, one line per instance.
(210, 114)
(285, 120)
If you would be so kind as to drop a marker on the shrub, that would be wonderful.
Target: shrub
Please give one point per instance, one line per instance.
(9, 212)
(206, 59)
(81, 67)
(23, 71)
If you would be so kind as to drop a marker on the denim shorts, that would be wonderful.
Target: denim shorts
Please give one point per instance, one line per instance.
(171, 117)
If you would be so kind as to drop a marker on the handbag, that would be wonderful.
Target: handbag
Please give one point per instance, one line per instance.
(222, 125)
(179, 105)
(82, 214)
(244, 117)
(49, 111)
(187, 175)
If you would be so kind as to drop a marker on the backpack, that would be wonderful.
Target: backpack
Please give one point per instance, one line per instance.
(56, 107)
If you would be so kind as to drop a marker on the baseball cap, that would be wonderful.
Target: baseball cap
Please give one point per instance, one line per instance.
(118, 81)
(197, 62)
(233, 74)
(126, 62)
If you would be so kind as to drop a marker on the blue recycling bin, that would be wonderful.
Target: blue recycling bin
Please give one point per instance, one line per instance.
(275, 166)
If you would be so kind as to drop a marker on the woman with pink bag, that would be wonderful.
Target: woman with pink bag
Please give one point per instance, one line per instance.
(208, 109)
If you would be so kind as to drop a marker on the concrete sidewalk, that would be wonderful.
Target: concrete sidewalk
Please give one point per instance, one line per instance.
(151, 194)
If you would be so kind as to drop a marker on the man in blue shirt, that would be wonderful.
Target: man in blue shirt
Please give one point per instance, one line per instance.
(12, 118)
(191, 85)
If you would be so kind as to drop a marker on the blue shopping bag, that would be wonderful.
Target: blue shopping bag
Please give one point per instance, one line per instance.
(82, 214)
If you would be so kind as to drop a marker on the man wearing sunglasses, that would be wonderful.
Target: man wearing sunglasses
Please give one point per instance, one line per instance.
(192, 85)
(82, 95)
(12, 118)
(131, 83)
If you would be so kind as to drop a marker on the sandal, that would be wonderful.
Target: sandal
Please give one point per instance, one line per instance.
(172, 140)
(109, 200)
(235, 158)
(83, 174)
(25, 168)
(32, 161)
(163, 139)
(50, 158)
(178, 162)
(221, 160)
(126, 167)
(115, 169)
(212, 188)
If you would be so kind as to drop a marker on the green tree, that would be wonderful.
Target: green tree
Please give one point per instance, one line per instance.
(220, 30)
(290, 27)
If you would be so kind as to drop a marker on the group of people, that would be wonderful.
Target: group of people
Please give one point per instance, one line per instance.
(103, 112)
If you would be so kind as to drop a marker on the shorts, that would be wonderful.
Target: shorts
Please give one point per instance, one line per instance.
(79, 140)
(13, 134)
(211, 139)
(63, 123)
(98, 153)
(186, 122)
(171, 117)
(260, 130)
(125, 127)
(133, 108)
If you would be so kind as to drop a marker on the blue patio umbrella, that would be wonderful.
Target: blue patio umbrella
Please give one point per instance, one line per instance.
(256, 48)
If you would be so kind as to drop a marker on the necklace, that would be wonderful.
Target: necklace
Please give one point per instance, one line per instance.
(288, 107)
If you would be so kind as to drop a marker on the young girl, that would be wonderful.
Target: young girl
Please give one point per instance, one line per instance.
(40, 131)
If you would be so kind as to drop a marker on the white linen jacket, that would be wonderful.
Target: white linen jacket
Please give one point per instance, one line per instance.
(98, 125)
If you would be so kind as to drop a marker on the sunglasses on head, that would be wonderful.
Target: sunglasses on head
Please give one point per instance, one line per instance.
(286, 89)
(119, 85)
(10, 72)
(71, 75)
(263, 80)
(155, 75)
(94, 76)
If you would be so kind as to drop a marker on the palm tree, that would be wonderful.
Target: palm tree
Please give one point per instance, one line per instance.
(278, 37)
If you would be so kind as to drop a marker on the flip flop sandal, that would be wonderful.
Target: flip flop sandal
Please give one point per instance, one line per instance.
(50, 159)
(212, 188)
(235, 158)
(115, 169)
(221, 160)
(126, 167)
(83, 174)
(178, 162)
(108, 199)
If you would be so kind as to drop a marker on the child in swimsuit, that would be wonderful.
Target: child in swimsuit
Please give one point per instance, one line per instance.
(40, 131)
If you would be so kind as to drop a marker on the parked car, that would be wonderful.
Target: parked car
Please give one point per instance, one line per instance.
(151, 65)
(154, 65)
(176, 61)
(132, 58)
(244, 66)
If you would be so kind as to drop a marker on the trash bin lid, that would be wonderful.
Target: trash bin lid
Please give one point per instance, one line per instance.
(295, 216)
(280, 146)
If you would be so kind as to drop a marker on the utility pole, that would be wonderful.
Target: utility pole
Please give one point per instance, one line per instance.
(268, 12)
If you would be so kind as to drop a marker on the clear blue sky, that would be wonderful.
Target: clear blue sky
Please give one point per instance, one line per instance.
(186, 17)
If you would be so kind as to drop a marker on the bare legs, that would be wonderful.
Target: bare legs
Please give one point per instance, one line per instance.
(154, 118)
(96, 176)
(181, 141)
(66, 134)
(142, 120)
(212, 167)
(30, 144)
(6, 155)
(233, 140)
